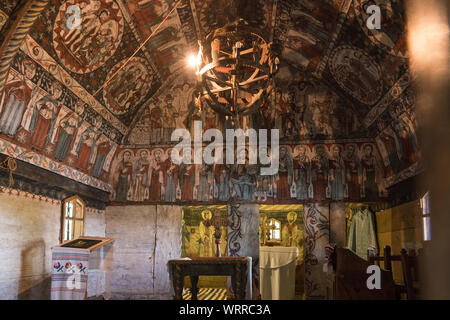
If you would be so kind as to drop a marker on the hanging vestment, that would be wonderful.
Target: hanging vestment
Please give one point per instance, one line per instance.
(361, 235)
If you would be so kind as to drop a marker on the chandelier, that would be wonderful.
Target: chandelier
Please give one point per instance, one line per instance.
(235, 70)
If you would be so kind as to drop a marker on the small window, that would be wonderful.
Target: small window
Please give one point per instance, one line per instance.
(426, 216)
(73, 218)
(274, 227)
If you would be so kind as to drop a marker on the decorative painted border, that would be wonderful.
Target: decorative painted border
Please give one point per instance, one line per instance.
(36, 159)
(4, 17)
(32, 10)
(93, 210)
(409, 172)
(234, 216)
(397, 89)
(343, 12)
(32, 196)
(317, 225)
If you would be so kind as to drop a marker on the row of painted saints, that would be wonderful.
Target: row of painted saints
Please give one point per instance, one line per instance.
(38, 119)
(319, 172)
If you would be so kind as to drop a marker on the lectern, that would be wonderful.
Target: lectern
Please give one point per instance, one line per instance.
(82, 268)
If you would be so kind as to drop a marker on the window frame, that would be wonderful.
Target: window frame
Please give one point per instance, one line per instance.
(425, 205)
(270, 229)
(73, 199)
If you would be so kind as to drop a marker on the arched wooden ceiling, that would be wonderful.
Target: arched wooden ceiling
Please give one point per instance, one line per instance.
(349, 82)
(323, 44)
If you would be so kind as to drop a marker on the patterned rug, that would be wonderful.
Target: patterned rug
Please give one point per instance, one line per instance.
(207, 294)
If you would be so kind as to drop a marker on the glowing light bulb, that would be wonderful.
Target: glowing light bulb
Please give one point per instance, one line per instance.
(192, 61)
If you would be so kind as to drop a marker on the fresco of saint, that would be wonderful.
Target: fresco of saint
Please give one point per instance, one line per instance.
(240, 179)
(15, 98)
(123, 177)
(141, 177)
(171, 179)
(222, 178)
(156, 181)
(156, 124)
(85, 149)
(186, 180)
(103, 148)
(204, 183)
(302, 172)
(352, 172)
(408, 143)
(285, 174)
(290, 233)
(336, 173)
(319, 172)
(392, 148)
(370, 173)
(67, 130)
(44, 116)
(206, 235)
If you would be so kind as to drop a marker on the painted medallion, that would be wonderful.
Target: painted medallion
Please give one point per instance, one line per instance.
(128, 87)
(357, 74)
(86, 44)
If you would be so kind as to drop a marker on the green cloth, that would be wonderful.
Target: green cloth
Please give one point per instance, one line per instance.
(361, 235)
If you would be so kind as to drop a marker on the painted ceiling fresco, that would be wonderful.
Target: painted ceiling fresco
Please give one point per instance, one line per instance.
(338, 81)
(95, 51)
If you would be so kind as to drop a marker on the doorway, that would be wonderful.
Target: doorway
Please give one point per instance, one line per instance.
(283, 226)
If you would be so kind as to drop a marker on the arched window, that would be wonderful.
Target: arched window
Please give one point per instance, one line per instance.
(72, 218)
(274, 227)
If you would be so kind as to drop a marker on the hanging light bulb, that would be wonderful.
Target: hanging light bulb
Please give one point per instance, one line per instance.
(193, 61)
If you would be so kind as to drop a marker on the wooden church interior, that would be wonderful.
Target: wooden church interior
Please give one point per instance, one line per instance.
(92, 91)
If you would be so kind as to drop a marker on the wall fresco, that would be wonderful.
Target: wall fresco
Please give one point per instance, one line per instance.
(12, 150)
(292, 229)
(307, 172)
(40, 113)
(338, 84)
(198, 236)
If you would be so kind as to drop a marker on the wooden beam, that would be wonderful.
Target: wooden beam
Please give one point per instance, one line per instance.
(55, 185)
(25, 15)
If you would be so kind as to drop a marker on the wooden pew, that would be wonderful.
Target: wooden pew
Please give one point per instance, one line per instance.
(409, 269)
(349, 279)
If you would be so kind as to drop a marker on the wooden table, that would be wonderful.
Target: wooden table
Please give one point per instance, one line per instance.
(236, 267)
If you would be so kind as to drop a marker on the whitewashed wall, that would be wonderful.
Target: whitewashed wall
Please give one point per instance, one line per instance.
(29, 226)
(94, 223)
(28, 229)
(147, 236)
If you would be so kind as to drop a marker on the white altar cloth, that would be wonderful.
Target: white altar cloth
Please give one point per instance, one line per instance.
(78, 274)
(277, 272)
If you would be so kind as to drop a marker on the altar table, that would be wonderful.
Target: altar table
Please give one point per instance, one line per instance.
(277, 272)
(239, 268)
